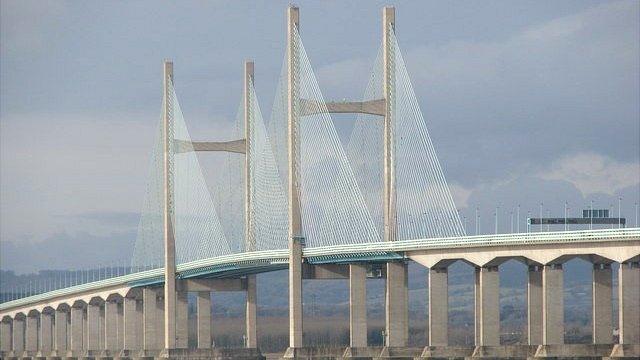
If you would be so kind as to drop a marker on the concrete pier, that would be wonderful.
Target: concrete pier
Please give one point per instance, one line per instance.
(251, 313)
(203, 308)
(31, 333)
(46, 331)
(357, 305)
(181, 328)
(295, 293)
(5, 335)
(111, 325)
(149, 320)
(487, 305)
(629, 302)
(60, 338)
(93, 327)
(602, 318)
(396, 305)
(131, 322)
(534, 305)
(18, 334)
(77, 317)
(553, 305)
(438, 306)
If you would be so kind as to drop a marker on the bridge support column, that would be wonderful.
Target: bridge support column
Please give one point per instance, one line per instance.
(438, 307)
(160, 318)
(60, 340)
(295, 293)
(534, 305)
(120, 318)
(396, 306)
(77, 318)
(204, 319)
(251, 313)
(487, 312)
(629, 302)
(93, 327)
(46, 338)
(131, 321)
(553, 305)
(31, 336)
(182, 309)
(357, 305)
(111, 325)
(18, 335)
(5, 336)
(149, 320)
(602, 320)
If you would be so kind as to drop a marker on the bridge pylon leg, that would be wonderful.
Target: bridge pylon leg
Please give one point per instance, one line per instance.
(251, 313)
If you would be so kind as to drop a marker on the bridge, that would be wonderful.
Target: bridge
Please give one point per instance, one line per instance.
(298, 199)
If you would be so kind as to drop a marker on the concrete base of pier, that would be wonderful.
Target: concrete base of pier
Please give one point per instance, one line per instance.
(447, 352)
(625, 351)
(505, 352)
(314, 353)
(573, 351)
(362, 353)
(389, 352)
(213, 354)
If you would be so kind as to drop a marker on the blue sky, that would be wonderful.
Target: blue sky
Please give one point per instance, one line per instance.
(526, 102)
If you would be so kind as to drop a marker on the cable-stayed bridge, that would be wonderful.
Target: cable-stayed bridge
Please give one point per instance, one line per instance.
(295, 197)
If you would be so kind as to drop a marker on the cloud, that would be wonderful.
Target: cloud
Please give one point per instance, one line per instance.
(460, 195)
(593, 173)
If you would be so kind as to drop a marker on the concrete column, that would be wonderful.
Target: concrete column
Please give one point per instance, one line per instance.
(438, 307)
(103, 327)
(182, 322)
(46, 327)
(295, 220)
(553, 305)
(149, 319)
(93, 327)
(18, 335)
(168, 235)
(130, 324)
(60, 339)
(203, 308)
(31, 335)
(396, 305)
(629, 302)
(602, 319)
(295, 293)
(251, 313)
(111, 325)
(120, 325)
(5, 336)
(357, 305)
(77, 315)
(534, 305)
(160, 318)
(487, 294)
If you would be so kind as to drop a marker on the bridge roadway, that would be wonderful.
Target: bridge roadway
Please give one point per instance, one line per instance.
(119, 306)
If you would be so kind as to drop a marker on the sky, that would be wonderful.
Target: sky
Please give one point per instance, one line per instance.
(527, 102)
